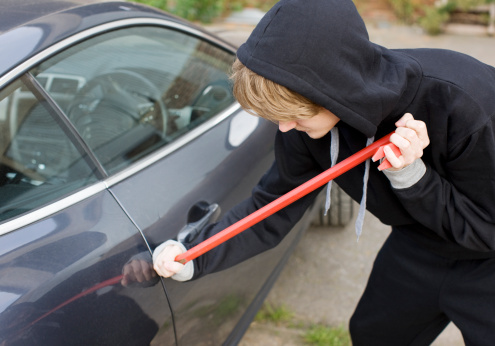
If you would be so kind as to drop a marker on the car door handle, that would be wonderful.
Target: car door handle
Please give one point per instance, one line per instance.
(200, 215)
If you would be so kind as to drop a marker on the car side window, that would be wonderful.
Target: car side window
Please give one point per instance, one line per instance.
(38, 161)
(134, 90)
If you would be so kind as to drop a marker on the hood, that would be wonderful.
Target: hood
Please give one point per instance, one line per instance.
(321, 50)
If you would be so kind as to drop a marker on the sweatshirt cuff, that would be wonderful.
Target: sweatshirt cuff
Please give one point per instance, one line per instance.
(187, 272)
(407, 176)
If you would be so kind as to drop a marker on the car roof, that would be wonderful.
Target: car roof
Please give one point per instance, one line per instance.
(28, 27)
(18, 12)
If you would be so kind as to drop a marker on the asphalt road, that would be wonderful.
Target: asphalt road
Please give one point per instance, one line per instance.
(328, 271)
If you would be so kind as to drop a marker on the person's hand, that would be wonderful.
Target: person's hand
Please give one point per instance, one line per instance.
(411, 137)
(137, 270)
(165, 264)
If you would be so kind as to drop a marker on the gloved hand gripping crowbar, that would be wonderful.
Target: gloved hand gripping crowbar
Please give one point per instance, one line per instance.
(374, 151)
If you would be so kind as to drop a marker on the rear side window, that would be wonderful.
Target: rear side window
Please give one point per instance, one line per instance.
(38, 161)
(132, 91)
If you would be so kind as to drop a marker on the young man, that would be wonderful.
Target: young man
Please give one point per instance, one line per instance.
(310, 67)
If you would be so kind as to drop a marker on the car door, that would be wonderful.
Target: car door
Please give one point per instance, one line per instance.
(211, 164)
(154, 104)
(64, 239)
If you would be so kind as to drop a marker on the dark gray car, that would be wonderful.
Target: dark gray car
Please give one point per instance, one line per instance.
(118, 130)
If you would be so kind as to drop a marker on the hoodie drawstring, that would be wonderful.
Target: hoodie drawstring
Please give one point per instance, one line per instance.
(362, 205)
(334, 153)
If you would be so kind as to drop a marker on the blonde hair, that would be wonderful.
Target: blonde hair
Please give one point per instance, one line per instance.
(267, 99)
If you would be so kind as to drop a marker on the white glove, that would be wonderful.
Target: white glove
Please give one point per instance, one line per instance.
(165, 265)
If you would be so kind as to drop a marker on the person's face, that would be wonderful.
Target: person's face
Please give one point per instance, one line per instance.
(316, 127)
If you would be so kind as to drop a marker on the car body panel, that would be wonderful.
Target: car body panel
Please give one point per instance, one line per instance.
(61, 264)
(58, 272)
(41, 34)
(212, 170)
(22, 12)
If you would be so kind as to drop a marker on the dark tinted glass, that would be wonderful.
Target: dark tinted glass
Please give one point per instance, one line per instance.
(132, 91)
(38, 161)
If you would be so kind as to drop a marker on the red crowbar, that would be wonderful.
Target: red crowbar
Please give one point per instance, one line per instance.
(381, 154)
(375, 151)
(290, 197)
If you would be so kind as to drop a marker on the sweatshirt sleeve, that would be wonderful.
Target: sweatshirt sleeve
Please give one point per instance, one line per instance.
(459, 204)
(293, 166)
(407, 176)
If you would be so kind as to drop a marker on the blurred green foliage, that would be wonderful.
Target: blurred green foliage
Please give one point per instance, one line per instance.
(431, 15)
(206, 11)
(433, 20)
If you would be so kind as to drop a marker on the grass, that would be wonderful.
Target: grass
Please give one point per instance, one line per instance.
(277, 315)
(320, 335)
(215, 314)
(313, 335)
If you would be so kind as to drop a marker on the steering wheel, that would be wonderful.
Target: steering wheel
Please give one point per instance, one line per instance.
(212, 99)
(113, 103)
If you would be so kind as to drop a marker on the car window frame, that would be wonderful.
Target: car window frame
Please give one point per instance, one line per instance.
(107, 181)
(39, 91)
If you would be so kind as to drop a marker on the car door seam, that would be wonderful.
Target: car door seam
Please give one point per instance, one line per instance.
(151, 253)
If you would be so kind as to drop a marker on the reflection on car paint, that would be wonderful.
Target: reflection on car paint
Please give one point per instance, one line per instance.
(67, 258)
(242, 126)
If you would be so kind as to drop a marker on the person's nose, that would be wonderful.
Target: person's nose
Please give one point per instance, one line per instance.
(285, 126)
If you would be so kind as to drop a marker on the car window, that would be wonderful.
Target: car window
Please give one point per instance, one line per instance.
(38, 161)
(134, 90)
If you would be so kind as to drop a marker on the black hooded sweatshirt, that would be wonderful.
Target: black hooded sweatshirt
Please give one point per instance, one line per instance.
(321, 49)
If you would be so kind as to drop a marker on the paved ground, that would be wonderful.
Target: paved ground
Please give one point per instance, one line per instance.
(327, 274)
(323, 281)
